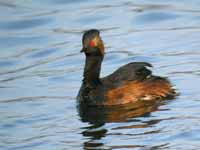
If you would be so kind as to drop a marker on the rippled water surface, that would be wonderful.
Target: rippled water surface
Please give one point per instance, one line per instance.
(41, 72)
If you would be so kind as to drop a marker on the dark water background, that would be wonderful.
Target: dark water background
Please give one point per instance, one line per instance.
(41, 72)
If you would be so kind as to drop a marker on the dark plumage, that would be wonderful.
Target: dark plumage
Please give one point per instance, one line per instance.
(130, 83)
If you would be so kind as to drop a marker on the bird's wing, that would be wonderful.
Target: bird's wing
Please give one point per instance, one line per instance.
(130, 72)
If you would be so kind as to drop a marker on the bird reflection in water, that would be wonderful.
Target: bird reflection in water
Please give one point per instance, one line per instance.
(97, 117)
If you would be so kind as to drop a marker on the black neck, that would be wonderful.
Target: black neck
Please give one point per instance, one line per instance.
(92, 69)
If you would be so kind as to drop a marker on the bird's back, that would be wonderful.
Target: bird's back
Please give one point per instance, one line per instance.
(129, 72)
(133, 82)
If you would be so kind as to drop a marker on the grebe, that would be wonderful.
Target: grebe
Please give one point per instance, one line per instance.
(130, 83)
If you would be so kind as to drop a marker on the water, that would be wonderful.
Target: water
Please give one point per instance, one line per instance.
(41, 72)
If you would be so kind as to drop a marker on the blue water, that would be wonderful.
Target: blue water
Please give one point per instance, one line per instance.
(41, 72)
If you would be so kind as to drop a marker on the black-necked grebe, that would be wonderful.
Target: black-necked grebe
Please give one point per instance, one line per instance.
(130, 83)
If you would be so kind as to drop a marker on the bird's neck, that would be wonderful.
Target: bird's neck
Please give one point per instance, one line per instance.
(92, 70)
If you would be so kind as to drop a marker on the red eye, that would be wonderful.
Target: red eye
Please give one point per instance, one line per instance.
(92, 43)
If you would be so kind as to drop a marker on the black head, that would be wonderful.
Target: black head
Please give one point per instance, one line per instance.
(92, 43)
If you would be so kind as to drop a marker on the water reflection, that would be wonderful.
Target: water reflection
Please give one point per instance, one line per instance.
(101, 115)
(97, 117)
(94, 133)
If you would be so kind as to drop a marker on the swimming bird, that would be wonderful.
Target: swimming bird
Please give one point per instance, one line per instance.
(130, 83)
